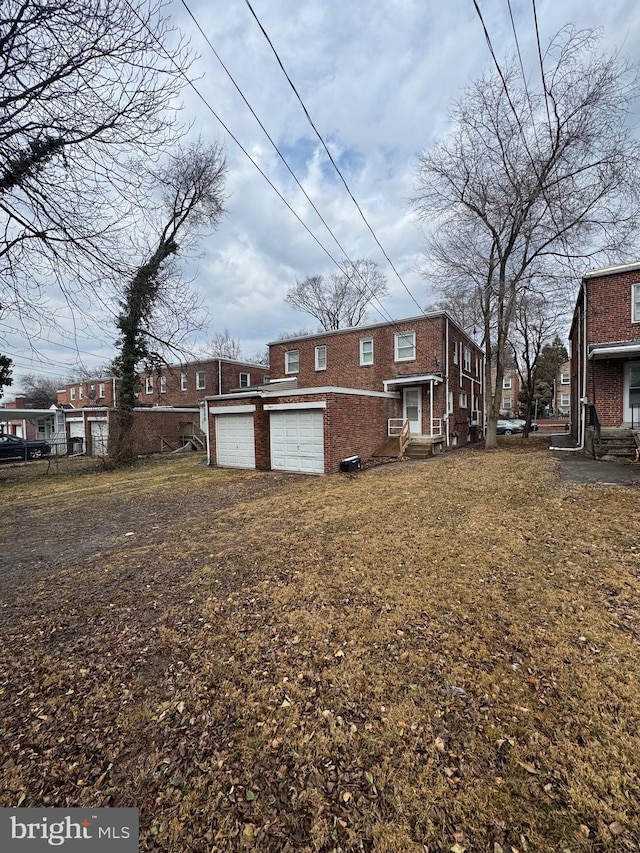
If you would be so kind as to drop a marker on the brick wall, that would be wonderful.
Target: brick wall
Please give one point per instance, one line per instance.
(174, 395)
(609, 308)
(86, 394)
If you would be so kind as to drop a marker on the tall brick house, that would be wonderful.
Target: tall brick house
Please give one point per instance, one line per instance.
(344, 393)
(605, 357)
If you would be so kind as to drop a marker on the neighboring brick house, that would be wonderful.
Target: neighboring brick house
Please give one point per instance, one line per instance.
(189, 383)
(90, 392)
(510, 399)
(562, 390)
(605, 352)
(343, 393)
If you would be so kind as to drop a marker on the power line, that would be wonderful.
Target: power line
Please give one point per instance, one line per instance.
(382, 312)
(329, 155)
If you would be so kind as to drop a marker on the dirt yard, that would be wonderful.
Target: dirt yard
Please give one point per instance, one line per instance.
(440, 656)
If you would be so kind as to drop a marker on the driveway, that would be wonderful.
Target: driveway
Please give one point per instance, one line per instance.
(578, 467)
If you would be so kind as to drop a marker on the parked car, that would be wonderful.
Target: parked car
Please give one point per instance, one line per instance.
(508, 428)
(522, 422)
(13, 447)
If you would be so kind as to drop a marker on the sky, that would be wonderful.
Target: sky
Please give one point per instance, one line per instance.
(378, 79)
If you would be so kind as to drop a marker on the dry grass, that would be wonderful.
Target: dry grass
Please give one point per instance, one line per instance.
(438, 656)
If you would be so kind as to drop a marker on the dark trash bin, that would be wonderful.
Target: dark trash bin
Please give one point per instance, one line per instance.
(74, 446)
(350, 464)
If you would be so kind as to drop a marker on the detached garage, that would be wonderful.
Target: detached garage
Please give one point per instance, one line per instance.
(235, 443)
(297, 437)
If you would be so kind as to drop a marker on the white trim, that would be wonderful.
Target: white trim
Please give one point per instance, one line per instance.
(329, 389)
(364, 363)
(419, 379)
(317, 360)
(283, 407)
(612, 270)
(231, 410)
(396, 349)
(614, 350)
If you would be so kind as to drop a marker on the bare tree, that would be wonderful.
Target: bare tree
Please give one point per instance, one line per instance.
(342, 299)
(40, 391)
(222, 345)
(192, 200)
(84, 86)
(534, 322)
(530, 185)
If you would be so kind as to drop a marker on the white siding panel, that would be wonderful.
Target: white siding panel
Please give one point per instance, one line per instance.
(297, 441)
(235, 445)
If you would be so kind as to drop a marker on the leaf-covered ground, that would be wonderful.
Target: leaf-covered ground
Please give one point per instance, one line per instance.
(439, 656)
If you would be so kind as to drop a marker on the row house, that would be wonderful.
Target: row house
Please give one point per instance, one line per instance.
(605, 359)
(350, 392)
(562, 390)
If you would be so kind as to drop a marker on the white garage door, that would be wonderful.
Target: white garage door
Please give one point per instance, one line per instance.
(297, 441)
(76, 429)
(235, 447)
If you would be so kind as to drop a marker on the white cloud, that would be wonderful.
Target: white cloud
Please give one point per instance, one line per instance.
(378, 79)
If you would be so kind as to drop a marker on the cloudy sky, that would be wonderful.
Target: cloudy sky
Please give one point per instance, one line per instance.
(378, 79)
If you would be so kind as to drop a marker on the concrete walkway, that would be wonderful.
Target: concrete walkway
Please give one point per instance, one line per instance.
(578, 467)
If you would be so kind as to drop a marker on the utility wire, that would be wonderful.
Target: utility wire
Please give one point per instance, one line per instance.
(329, 155)
(282, 157)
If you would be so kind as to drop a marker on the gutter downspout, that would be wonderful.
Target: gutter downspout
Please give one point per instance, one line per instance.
(583, 399)
(446, 388)
(206, 420)
(219, 380)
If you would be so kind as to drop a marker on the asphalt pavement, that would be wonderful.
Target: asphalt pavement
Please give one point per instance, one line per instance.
(578, 467)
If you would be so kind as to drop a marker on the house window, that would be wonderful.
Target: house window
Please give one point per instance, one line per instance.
(463, 399)
(149, 385)
(72, 393)
(506, 383)
(564, 379)
(245, 380)
(101, 390)
(163, 384)
(450, 402)
(366, 352)
(201, 380)
(455, 352)
(80, 392)
(564, 400)
(467, 360)
(321, 358)
(506, 403)
(183, 381)
(635, 298)
(292, 361)
(405, 346)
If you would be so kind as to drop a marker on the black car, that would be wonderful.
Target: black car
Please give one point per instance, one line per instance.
(13, 447)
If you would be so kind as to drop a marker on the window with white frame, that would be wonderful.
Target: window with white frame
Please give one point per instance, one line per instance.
(635, 303)
(450, 402)
(80, 392)
(101, 390)
(292, 361)
(321, 358)
(366, 351)
(506, 403)
(455, 352)
(463, 400)
(201, 380)
(564, 379)
(72, 393)
(564, 399)
(467, 360)
(405, 346)
(163, 384)
(506, 383)
(477, 366)
(149, 385)
(183, 381)
(245, 380)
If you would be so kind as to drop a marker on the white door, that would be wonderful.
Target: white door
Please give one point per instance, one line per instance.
(99, 437)
(412, 409)
(632, 393)
(235, 445)
(76, 429)
(297, 441)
